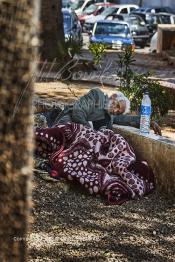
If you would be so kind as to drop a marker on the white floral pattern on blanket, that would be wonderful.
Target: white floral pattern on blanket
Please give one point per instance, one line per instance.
(100, 161)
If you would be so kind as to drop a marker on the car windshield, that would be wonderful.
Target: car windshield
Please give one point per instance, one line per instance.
(143, 10)
(151, 19)
(112, 29)
(90, 9)
(76, 5)
(109, 11)
(165, 19)
(136, 21)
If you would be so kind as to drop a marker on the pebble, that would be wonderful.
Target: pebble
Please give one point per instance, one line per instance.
(154, 233)
(131, 238)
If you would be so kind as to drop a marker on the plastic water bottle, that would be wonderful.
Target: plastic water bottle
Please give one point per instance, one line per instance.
(145, 114)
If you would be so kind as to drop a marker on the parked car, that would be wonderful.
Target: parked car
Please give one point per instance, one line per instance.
(81, 5)
(114, 34)
(156, 9)
(153, 19)
(115, 9)
(72, 27)
(165, 18)
(139, 30)
(93, 10)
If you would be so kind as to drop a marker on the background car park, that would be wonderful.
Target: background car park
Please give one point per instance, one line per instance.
(114, 9)
(166, 9)
(93, 10)
(138, 28)
(81, 5)
(72, 27)
(143, 21)
(153, 19)
(114, 34)
(165, 18)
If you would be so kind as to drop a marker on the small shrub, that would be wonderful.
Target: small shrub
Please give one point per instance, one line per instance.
(97, 50)
(133, 85)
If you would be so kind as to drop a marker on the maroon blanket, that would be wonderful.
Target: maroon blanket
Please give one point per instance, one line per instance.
(101, 161)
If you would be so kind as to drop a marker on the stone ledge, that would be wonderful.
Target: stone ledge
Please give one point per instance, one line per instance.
(158, 151)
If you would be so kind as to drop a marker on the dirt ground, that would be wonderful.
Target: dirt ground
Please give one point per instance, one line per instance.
(66, 93)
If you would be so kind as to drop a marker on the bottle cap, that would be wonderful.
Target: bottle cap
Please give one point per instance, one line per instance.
(145, 90)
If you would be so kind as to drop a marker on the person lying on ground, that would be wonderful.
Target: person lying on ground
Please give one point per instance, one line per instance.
(102, 163)
(96, 109)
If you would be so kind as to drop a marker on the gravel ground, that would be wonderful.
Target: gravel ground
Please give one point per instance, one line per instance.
(71, 225)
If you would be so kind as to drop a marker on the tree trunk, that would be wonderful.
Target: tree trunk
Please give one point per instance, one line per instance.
(52, 32)
(17, 41)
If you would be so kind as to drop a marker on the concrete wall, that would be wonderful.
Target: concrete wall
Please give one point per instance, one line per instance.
(158, 151)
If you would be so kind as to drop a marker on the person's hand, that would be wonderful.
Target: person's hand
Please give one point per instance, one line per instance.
(156, 128)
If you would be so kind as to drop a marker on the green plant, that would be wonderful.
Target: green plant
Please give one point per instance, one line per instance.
(133, 85)
(125, 72)
(97, 50)
(73, 47)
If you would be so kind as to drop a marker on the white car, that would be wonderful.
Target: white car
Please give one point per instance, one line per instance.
(80, 5)
(111, 10)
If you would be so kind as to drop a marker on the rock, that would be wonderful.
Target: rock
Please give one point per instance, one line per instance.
(131, 238)
(154, 233)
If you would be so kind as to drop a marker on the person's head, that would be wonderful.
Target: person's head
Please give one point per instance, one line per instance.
(116, 106)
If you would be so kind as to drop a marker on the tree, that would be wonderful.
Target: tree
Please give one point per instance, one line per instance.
(17, 41)
(52, 32)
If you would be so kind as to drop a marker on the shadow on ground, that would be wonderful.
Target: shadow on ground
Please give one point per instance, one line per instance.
(71, 225)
